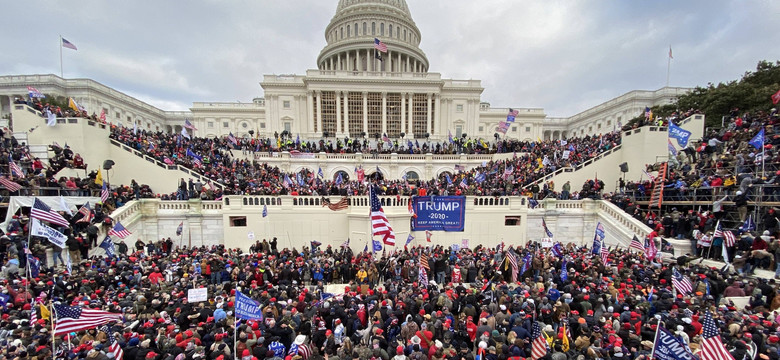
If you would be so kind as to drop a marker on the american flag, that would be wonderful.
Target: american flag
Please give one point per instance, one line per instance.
(681, 283)
(423, 276)
(508, 172)
(463, 183)
(510, 256)
(538, 344)
(103, 114)
(68, 44)
(728, 237)
(411, 208)
(386, 139)
(379, 45)
(10, 185)
(513, 112)
(34, 93)
(232, 139)
(340, 205)
(43, 212)
(379, 223)
(104, 192)
(604, 253)
(119, 231)
(15, 169)
(114, 345)
(188, 125)
(86, 213)
(636, 244)
(34, 312)
(712, 346)
(546, 230)
(557, 250)
(74, 319)
(424, 261)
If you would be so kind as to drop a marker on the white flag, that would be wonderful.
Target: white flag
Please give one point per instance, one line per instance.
(52, 118)
(54, 236)
(184, 133)
(65, 206)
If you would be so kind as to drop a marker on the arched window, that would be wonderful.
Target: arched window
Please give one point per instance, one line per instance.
(344, 176)
(342, 32)
(404, 34)
(412, 175)
(365, 28)
(373, 28)
(390, 30)
(356, 29)
(349, 32)
(382, 29)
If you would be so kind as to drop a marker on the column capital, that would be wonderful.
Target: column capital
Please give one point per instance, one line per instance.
(318, 92)
(365, 93)
(384, 94)
(309, 92)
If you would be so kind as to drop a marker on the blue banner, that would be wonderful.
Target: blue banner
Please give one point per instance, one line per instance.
(439, 213)
(682, 135)
(669, 347)
(247, 309)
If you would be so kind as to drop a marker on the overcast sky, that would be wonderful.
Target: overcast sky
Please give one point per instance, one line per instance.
(563, 56)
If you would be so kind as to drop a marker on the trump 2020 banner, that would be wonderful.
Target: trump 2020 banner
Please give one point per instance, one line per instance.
(439, 213)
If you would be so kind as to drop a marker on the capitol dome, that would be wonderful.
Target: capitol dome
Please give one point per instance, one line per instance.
(351, 33)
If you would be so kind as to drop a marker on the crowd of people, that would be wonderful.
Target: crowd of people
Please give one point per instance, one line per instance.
(416, 303)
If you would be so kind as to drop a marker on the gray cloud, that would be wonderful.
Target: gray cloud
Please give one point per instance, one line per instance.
(564, 56)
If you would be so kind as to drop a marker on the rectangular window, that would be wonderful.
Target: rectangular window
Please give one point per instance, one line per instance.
(211, 124)
(459, 108)
(374, 114)
(118, 115)
(527, 129)
(458, 131)
(328, 111)
(262, 125)
(237, 221)
(512, 221)
(288, 127)
(420, 115)
(355, 111)
(225, 124)
(130, 120)
(393, 115)
(481, 129)
(286, 104)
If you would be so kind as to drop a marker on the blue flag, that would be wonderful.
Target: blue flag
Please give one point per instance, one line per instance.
(480, 178)
(265, 210)
(339, 180)
(320, 173)
(669, 347)
(671, 147)
(533, 203)
(409, 239)
(598, 239)
(526, 263)
(108, 246)
(758, 140)
(749, 225)
(377, 245)
(247, 309)
(449, 179)
(557, 250)
(682, 135)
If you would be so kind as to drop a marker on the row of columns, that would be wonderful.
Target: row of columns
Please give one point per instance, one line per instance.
(372, 64)
(406, 126)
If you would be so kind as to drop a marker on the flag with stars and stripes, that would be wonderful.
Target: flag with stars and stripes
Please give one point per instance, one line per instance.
(604, 253)
(636, 244)
(681, 283)
(10, 185)
(424, 261)
(712, 347)
(43, 212)
(557, 250)
(379, 223)
(104, 192)
(119, 231)
(15, 169)
(538, 342)
(113, 344)
(423, 276)
(74, 318)
(728, 237)
(512, 258)
(546, 230)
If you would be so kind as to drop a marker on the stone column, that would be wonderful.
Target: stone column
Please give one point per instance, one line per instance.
(346, 113)
(399, 62)
(365, 112)
(338, 112)
(330, 67)
(403, 112)
(338, 59)
(437, 114)
(384, 112)
(411, 114)
(389, 64)
(349, 67)
(428, 119)
(319, 111)
(407, 64)
(310, 110)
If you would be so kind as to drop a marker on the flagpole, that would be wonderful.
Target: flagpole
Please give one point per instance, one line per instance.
(60, 46)
(655, 339)
(52, 317)
(668, 68)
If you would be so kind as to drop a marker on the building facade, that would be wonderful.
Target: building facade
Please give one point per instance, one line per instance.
(352, 93)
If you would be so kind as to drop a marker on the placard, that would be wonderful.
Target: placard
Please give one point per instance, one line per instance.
(251, 235)
(197, 295)
(547, 242)
(439, 213)
(464, 243)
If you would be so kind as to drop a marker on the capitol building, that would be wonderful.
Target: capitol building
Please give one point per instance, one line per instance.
(355, 91)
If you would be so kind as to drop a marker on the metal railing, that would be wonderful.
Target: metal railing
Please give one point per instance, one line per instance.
(756, 194)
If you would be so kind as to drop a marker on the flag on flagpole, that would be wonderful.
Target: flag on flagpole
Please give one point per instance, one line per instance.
(119, 231)
(546, 230)
(74, 318)
(424, 261)
(320, 173)
(409, 240)
(758, 140)
(410, 206)
(712, 346)
(86, 213)
(379, 45)
(113, 346)
(379, 223)
(636, 244)
(538, 342)
(428, 235)
(104, 192)
(557, 250)
(10, 185)
(423, 277)
(776, 97)
(681, 283)
(180, 229)
(188, 125)
(43, 212)
(108, 246)
(15, 169)
(670, 52)
(265, 210)
(510, 256)
(34, 93)
(99, 178)
(68, 44)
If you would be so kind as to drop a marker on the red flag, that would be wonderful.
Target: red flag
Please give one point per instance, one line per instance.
(776, 97)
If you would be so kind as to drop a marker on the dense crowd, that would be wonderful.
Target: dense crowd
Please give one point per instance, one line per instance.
(466, 303)
(213, 159)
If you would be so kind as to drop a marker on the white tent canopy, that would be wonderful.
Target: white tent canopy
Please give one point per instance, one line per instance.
(55, 202)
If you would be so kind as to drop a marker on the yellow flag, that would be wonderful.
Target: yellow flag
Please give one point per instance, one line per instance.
(565, 343)
(45, 313)
(99, 178)
(72, 104)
